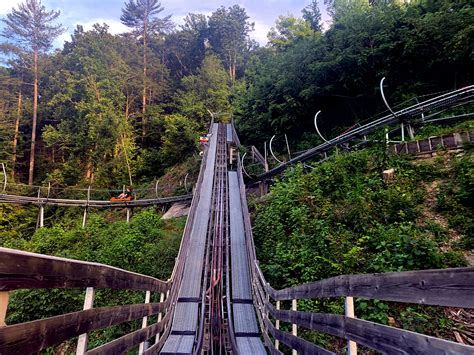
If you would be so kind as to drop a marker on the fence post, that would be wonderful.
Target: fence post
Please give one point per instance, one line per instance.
(88, 304)
(40, 222)
(128, 216)
(349, 308)
(41, 216)
(84, 219)
(277, 326)
(294, 327)
(4, 298)
(141, 349)
(4, 177)
(160, 317)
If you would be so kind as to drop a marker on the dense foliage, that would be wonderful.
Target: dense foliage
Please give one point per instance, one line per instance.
(421, 47)
(343, 218)
(102, 114)
(146, 245)
(111, 105)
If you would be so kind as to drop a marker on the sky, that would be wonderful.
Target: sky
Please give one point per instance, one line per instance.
(88, 12)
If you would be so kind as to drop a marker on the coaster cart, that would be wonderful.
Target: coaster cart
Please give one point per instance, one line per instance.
(124, 199)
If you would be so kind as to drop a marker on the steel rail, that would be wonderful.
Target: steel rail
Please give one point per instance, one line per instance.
(404, 114)
(22, 200)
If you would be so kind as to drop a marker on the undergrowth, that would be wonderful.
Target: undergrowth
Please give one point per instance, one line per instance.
(343, 218)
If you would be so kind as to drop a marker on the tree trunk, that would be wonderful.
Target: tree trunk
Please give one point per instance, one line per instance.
(144, 120)
(17, 129)
(35, 116)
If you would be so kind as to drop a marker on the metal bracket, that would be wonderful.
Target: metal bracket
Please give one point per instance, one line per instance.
(316, 126)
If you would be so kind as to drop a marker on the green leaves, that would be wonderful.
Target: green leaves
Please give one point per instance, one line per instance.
(31, 25)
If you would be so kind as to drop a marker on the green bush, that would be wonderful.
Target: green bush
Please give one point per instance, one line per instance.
(146, 245)
(342, 218)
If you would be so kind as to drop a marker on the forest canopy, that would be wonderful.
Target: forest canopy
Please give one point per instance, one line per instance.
(121, 109)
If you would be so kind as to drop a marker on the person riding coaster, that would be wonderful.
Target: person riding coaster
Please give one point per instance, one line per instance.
(124, 196)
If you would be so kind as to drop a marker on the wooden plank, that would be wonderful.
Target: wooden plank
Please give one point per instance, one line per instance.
(81, 347)
(155, 348)
(128, 341)
(446, 287)
(375, 336)
(258, 155)
(350, 313)
(4, 298)
(34, 336)
(303, 347)
(19, 269)
(144, 322)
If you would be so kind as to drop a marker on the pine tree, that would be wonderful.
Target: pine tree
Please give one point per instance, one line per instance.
(31, 27)
(142, 15)
(312, 15)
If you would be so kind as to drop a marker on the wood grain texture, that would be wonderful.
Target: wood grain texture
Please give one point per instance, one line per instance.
(128, 341)
(446, 287)
(34, 336)
(20, 269)
(154, 349)
(375, 336)
(303, 347)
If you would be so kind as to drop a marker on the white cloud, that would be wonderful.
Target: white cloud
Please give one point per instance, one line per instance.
(115, 26)
(260, 33)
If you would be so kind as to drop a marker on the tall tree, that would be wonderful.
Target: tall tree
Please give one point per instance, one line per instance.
(32, 27)
(228, 35)
(142, 16)
(312, 15)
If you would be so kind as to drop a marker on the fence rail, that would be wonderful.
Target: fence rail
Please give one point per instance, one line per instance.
(24, 270)
(446, 287)
(19, 269)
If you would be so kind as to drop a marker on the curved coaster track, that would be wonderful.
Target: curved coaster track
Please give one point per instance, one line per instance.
(217, 300)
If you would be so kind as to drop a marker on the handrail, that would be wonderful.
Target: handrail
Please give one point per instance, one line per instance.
(414, 110)
(20, 269)
(29, 337)
(379, 337)
(130, 340)
(446, 287)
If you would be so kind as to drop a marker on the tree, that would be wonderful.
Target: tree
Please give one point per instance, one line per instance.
(93, 132)
(228, 36)
(142, 15)
(208, 90)
(312, 15)
(31, 27)
(288, 30)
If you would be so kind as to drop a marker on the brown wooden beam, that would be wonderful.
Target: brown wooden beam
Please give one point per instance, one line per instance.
(446, 287)
(34, 336)
(19, 269)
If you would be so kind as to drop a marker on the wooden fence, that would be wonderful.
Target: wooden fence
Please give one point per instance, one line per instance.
(447, 287)
(23, 270)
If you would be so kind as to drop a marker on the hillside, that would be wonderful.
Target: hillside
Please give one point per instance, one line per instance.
(343, 218)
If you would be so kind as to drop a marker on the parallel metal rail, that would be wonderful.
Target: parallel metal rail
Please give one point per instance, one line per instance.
(42, 201)
(406, 114)
(448, 287)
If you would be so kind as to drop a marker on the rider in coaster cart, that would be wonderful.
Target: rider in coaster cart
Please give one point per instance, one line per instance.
(127, 195)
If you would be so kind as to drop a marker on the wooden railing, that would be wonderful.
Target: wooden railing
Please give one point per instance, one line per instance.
(447, 287)
(23, 270)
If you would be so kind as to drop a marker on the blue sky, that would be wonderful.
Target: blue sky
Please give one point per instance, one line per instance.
(88, 12)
